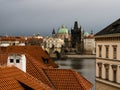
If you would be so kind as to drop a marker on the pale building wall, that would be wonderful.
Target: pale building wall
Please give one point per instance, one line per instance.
(110, 60)
(97, 75)
(103, 86)
(22, 61)
(110, 48)
(89, 45)
(4, 44)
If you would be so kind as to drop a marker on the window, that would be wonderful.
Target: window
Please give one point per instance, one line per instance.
(100, 51)
(114, 52)
(107, 51)
(114, 67)
(17, 61)
(114, 75)
(11, 60)
(100, 72)
(100, 69)
(107, 73)
(45, 60)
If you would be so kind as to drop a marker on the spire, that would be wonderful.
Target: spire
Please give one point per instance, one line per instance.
(91, 31)
(75, 25)
(53, 32)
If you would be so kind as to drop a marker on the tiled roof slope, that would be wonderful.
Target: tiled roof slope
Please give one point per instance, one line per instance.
(3, 59)
(12, 78)
(34, 63)
(65, 79)
(34, 68)
(35, 51)
(113, 28)
(57, 79)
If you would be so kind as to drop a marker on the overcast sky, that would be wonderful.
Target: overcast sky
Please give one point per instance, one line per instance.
(25, 17)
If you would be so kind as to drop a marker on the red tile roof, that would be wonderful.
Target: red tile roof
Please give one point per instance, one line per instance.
(67, 79)
(60, 79)
(34, 51)
(12, 38)
(13, 78)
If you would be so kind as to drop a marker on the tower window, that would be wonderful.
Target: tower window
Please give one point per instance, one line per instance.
(17, 61)
(11, 60)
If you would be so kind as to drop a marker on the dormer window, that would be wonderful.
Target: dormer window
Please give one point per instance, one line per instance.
(11, 60)
(17, 61)
(45, 60)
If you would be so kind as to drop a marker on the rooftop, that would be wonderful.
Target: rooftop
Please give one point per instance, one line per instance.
(113, 28)
(13, 78)
(60, 79)
(62, 30)
(67, 79)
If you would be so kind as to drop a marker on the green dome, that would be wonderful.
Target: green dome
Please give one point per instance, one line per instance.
(62, 30)
(86, 34)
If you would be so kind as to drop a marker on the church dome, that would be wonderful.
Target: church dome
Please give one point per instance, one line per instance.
(62, 30)
(86, 34)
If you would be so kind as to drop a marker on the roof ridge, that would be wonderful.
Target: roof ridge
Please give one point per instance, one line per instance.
(77, 75)
(53, 86)
(39, 72)
(108, 27)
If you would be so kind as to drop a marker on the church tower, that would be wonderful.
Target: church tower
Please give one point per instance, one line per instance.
(77, 38)
(53, 33)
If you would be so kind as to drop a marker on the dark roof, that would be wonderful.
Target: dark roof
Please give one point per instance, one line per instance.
(113, 28)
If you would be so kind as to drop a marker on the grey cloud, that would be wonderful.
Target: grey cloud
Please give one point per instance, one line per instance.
(32, 16)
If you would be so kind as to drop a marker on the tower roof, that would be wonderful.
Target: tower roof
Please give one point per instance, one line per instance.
(53, 32)
(62, 30)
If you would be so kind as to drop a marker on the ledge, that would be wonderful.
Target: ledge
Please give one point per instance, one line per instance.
(108, 82)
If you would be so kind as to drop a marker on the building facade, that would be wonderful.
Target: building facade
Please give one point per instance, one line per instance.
(108, 57)
(54, 44)
(12, 41)
(89, 43)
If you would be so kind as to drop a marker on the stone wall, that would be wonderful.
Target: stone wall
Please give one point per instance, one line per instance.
(103, 86)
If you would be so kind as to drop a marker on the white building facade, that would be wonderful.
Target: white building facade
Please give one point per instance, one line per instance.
(89, 44)
(55, 43)
(108, 58)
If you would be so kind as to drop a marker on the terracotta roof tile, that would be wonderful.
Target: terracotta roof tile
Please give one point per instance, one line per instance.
(3, 59)
(60, 79)
(35, 51)
(13, 78)
(64, 79)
